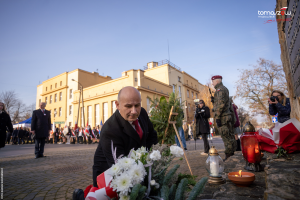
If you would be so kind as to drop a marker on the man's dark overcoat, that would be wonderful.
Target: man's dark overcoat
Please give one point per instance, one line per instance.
(5, 122)
(202, 125)
(124, 138)
(41, 123)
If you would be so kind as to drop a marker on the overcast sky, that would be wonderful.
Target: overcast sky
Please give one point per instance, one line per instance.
(44, 38)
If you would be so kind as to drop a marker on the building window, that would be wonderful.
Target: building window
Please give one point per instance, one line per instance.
(55, 85)
(188, 94)
(148, 105)
(46, 100)
(54, 112)
(89, 114)
(105, 112)
(97, 112)
(59, 112)
(179, 93)
(50, 87)
(61, 83)
(50, 98)
(179, 79)
(55, 98)
(46, 89)
(192, 95)
(174, 88)
(60, 96)
(70, 110)
(71, 93)
(114, 107)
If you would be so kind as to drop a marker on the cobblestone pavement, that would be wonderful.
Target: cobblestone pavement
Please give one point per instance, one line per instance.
(57, 175)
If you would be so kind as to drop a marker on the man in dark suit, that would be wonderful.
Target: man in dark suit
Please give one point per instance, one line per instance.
(129, 127)
(40, 127)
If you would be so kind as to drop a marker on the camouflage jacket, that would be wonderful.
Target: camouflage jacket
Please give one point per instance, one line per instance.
(221, 101)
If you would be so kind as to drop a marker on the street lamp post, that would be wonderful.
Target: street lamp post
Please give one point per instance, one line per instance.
(80, 95)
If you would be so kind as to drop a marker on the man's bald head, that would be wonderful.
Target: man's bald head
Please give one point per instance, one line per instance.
(129, 103)
(128, 91)
(42, 105)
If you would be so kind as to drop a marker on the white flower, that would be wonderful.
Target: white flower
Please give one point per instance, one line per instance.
(122, 183)
(155, 155)
(138, 155)
(157, 185)
(133, 155)
(176, 151)
(137, 173)
(124, 197)
(126, 163)
(142, 150)
(114, 170)
(152, 182)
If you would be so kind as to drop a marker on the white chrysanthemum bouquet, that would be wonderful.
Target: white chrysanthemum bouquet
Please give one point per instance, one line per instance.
(142, 175)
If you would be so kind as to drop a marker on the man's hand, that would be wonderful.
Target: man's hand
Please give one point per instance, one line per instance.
(33, 132)
(219, 123)
(212, 99)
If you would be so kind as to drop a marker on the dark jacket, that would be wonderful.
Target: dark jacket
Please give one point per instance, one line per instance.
(124, 138)
(283, 111)
(41, 123)
(5, 122)
(202, 125)
(15, 133)
(21, 133)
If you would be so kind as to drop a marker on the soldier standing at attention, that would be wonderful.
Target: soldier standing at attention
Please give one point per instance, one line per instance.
(222, 115)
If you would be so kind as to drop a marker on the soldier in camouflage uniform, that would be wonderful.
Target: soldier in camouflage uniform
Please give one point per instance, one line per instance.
(223, 115)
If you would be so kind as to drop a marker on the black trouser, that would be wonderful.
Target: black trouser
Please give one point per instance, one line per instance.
(206, 144)
(238, 145)
(39, 146)
(80, 139)
(55, 139)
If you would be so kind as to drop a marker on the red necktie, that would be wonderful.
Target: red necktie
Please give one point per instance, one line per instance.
(138, 128)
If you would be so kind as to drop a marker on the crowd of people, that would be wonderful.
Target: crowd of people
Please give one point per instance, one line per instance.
(81, 135)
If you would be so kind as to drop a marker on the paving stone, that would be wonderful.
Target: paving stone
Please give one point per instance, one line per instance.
(38, 198)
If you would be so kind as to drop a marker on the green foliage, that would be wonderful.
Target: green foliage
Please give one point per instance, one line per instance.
(180, 158)
(172, 192)
(190, 178)
(170, 174)
(181, 189)
(141, 193)
(199, 187)
(135, 191)
(159, 116)
(164, 192)
(281, 152)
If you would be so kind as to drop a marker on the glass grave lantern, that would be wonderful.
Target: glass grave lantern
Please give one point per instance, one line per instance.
(215, 166)
(250, 148)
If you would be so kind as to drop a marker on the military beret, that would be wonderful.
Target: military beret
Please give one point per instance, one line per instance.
(216, 77)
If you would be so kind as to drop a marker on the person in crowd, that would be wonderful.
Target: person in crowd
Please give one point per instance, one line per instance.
(15, 136)
(182, 138)
(94, 134)
(51, 137)
(56, 135)
(90, 135)
(222, 114)
(211, 133)
(129, 128)
(40, 127)
(190, 132)
(202, 126)
(21, 136)
(29, 136)
(73, 136)
(62, 138)
(8, 136)
(80, 135)
(186, 130)
(98, 135)
(236, 125)
(279, 103)
(5, 123)
(26, 134)
(76, 133)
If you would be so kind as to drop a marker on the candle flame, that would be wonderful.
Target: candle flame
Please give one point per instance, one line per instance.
(240, 173)
(236, 175)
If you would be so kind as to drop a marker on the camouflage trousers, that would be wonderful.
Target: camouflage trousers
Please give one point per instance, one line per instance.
(228, 138)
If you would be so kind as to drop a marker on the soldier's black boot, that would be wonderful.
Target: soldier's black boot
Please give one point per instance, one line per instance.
(78, 194)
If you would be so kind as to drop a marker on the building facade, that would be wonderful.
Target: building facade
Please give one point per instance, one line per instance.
(61, 93)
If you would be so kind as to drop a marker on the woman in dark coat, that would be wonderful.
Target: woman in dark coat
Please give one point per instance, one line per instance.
(5, 122)
(202, 125)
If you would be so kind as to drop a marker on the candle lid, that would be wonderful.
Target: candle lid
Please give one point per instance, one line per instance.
(213, 151)
(248, 127)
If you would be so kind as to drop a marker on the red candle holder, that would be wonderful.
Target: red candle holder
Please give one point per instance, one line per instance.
(250, 148)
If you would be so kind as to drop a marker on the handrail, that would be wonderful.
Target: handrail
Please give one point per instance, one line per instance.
(163, 62)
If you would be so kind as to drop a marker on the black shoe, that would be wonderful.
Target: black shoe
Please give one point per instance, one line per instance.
(185, 149)
(37, 156)
(42, 156)
(78, 194)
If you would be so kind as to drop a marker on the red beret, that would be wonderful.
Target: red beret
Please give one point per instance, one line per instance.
(216, 77)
